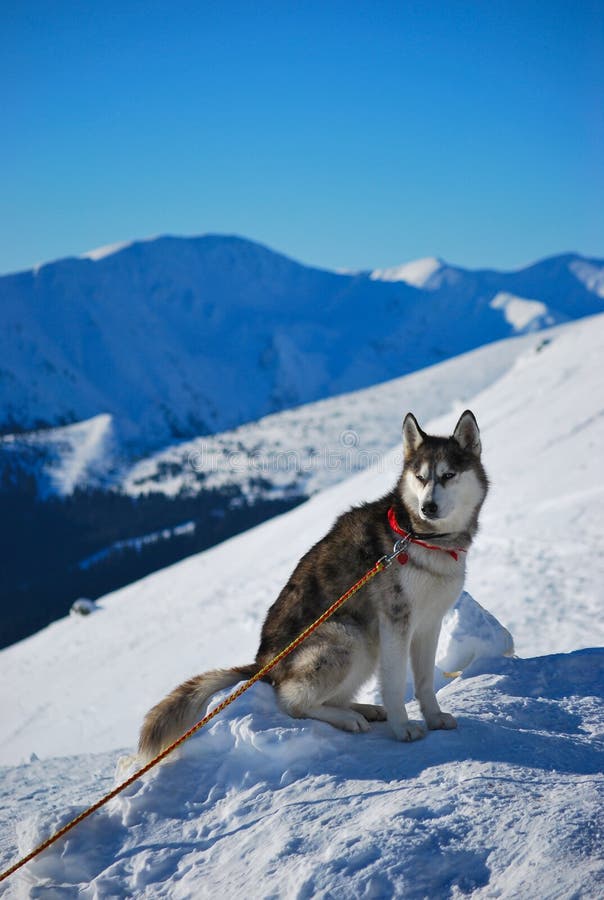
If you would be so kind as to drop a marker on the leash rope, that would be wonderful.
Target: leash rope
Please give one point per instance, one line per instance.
(379, 566)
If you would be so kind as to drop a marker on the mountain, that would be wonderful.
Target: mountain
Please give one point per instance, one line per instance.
(568, 285)
(176, 337)
(509, 805)
(139, 386)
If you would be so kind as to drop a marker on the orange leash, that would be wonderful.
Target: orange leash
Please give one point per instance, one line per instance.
(381, 564)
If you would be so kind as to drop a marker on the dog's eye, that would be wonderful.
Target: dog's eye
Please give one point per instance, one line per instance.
(420, 477)
(448, 475)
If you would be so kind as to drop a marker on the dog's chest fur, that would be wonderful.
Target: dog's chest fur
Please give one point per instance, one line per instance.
(421, 591)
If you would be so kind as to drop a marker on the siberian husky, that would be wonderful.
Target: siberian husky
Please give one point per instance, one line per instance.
(396, 617)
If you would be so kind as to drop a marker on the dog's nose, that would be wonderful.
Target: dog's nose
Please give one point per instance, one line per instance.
(429, 508)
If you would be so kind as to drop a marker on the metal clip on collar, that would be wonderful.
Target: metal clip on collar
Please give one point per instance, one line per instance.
(398, 548)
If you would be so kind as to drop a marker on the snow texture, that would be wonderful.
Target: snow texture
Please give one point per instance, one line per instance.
(259, 805)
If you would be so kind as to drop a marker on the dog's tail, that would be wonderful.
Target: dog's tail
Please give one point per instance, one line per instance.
(185, 706)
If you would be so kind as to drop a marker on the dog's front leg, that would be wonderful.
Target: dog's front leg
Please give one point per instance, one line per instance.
(394, 655)
(423, 654)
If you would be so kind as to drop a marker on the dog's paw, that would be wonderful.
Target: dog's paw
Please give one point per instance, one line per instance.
(408, 731)
(356, 722)
(441, 720)
(371, 711)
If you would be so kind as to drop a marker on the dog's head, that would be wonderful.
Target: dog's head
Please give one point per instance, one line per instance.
(443, 484)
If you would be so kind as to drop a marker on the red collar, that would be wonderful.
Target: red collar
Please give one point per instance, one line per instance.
(403, 558)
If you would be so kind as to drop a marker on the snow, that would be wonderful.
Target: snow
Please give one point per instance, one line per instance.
(73, 456)
(108, 250)
(469, 633)
(417, 273)
(142, 540)
(85, 447)
(591, 274)
(307, 449)
(520, 312)
(260, 805)
(138, 331)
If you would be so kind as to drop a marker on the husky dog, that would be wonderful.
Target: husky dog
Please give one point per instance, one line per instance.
(397, 616)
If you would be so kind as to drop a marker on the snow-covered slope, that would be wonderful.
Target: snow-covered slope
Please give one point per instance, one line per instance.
(293, 452)
(509, 805)
(176, 337)
(128, 519)
(62, 459)
(306, 449)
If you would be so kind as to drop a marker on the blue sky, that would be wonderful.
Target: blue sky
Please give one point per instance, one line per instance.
(349, 135)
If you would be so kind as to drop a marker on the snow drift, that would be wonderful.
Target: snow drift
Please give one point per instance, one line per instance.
(263, 806)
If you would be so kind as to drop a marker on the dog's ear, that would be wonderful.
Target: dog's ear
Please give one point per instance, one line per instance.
(413, 436)
(467, 434)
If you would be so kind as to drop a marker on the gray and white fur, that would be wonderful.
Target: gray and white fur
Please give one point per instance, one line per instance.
(393, 619)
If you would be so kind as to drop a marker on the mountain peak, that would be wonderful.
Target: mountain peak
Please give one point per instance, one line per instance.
(417, 273)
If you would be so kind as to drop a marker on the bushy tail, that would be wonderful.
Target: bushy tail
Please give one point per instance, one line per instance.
(185, 706)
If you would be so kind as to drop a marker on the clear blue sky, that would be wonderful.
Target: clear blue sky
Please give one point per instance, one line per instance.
(344, 134)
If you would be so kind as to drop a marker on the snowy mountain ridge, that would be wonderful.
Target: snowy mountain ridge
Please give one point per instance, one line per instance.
(141, 331)
(419, 272)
